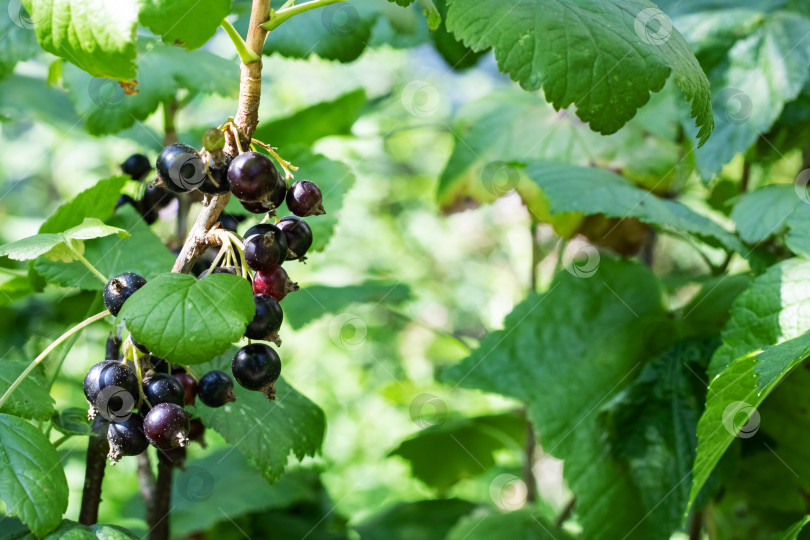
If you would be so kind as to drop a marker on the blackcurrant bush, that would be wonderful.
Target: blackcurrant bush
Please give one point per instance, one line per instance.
(166, 426)
(180, 167)
(216, 388)
(298, 234)
(218, 183)
(267, 321)
(304, 198)
(111, 388)
(264, 251)
(274, 282)
(256, 367)
(126, 438)
(253, 177)
(189, 387)
(163, 388)
(119, 288)
(137, 166)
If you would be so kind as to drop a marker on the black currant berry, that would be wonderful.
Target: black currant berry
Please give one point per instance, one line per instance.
(274, 282)
(228, 222)
(218, 183)
(119, 288)
(267, 321)
(156, 198)
(111, 388)
(304, 198)
(180, 167)
(264, 251)
(261, 228)
(163, 388)
(298, 234)
(255, 207)
(196, 431)
(166, 426)
(253, 177)
(126, 438)
(124, 200)
(216, 388)
(279, 193)
(159, 365)
(189, 387)
(256, 367)
(137, 166)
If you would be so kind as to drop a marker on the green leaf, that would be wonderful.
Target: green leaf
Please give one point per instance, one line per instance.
(186, 320)
(520, 524)
(70, 530)
(762, 213)
(143, 253)
(467, 447)
(163, 70)
(604, 58)
(98, 37)
(734, 396)
(306, 126)
(426, 520)
(32, 481)
(266, 432)
(17, 38)
(31, 247)
(793, 532)
(97, 202)
(769, 312)
(434, 18)
(31, 399)
(187, 23)
(71, 421)
(579, 369)
(300, 309)
(55, 246)
(763, 72)
(24, 98)
(453, 51)
(597, 191)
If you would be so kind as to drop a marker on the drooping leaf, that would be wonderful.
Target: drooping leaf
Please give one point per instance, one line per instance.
(56, 246)
(604, 57)
(520, 524)
(566, 353)
(32, 481)
(31, 399)
(187, 23)
(186, 320)
(97, 36)
(428, 520)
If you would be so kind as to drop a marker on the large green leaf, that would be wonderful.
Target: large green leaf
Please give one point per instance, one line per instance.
(17, 38)
(162, 71)
(467, 447)
(70, 530)
(31, 399)
(32, 481)
(426, 520)
(187, 23)
(266, 432)
(56, 246)
(597, 191)
(96, 36)
(23, 98)
(763, 212)
(793, 532)
(566, 353)
(763, 72)
(603, 57)
(186, 320)
(97, 202)
(518, 525)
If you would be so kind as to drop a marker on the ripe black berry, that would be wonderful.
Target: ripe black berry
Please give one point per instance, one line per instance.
(218, 183)
(166, 426)
(253, 177)
(189, 387)
(163, 388)
(119, 288)
(298, 234)
(111, 388)
(156, 198)
(180, 167)
(264, 251)
(216, 389)
(256, 367)
(255, 207)
(267, 321)
(279, 193)
(124, 200)
(137, 166)
(228, 222)
(304, 198)
(274, 282)
(126, 438)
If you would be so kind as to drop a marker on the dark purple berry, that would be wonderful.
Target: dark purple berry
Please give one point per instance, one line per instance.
(255, 207)
(166, 426)
(163, 388)
(274, 282)
(228, 222)
(180, 167)
(196, 431)
(218, 183)
(156, 198)
(264, 251)
(298, 234)
(137, 166)
(111, 388)
(119, 288)
(257, 367)
(279, 193)
(267, 321)
(216, 389)
(253, 177)
(126, 438)
(189, 387)
(304, 198)
(124, 200)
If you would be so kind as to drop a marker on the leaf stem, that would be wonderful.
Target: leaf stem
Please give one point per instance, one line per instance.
(87, 263)
(246, 55)
(48, 350)
(70, 343)
(278, 17)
